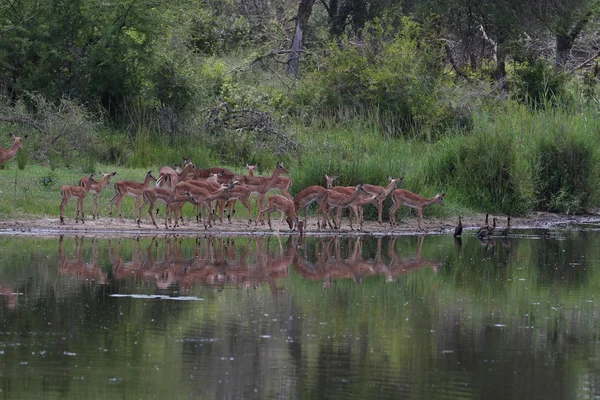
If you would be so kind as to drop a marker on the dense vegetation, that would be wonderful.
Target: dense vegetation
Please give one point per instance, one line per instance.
(492, 102)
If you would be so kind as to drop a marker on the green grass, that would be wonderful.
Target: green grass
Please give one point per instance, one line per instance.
(511, 161)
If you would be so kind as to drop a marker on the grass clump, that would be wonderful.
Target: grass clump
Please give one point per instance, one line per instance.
(565, 164)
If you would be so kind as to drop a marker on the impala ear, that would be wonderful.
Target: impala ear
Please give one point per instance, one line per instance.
(149, 172)
(113, 174)
(11, 135)
(25, 137)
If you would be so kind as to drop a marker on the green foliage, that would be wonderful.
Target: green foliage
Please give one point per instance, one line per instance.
(217, 27)
(113, 149)
(394, 75)
(22, 159)
(565, 171)
(483, 168)
(48, 182)
(539, 84)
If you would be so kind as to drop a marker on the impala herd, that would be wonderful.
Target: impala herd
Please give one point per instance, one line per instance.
(177, 186)
(203, 186)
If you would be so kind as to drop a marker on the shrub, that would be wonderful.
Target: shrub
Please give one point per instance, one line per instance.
(564, 172)
(538, 84)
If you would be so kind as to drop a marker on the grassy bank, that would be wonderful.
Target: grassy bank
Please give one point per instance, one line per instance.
(510, 162)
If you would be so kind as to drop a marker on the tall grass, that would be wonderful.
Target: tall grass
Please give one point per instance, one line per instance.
(519, 160)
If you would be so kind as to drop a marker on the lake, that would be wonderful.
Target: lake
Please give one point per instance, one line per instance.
(267, 317)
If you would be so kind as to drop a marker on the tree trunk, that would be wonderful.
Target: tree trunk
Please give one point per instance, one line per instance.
(304, 11)
(565, 40)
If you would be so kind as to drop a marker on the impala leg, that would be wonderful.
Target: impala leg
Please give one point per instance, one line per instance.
(95, 213)
(281, 221)
(420, 218)
(118, 205)
(139, 211)
(152, 216)
(63, 203)
(269, 218)
(393, 210)
(244, 201)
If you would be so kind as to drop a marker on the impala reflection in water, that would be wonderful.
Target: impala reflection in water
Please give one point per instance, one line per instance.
(301, 317)
(217, 261)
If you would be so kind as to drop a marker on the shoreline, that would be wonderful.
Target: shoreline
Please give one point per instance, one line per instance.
(105, 226)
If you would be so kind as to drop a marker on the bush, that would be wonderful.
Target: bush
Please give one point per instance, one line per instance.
(483, 168)
(538, 84)
(396, 77)
(564, 172)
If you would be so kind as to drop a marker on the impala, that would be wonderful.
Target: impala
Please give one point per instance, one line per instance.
(261, 185)
(383, 193)
(129, 188)
(171, 177)
(211, 184)
(285, 207)
(282, 183)
(241, 193)
(69, 192)
(153, 194)
(96, 188)
(313, 194)
(203, 197)
(224, 175)
(341, 200)
(5, 154)
(404, 197)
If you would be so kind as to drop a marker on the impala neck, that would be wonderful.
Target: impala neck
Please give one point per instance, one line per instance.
(388, 189)
(148, 179)
(352, 197)
(431, 201)
(8, 154)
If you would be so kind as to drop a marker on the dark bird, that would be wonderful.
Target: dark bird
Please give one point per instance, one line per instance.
(506, 230)
(485, 226)
(459, 228)
(489, 231)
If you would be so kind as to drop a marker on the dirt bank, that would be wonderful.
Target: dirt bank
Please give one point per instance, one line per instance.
(105, 226)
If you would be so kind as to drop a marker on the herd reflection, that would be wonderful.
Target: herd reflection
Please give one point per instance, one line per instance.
(171, 261)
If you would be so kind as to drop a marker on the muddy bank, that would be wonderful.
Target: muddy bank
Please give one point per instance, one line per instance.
(105, 226)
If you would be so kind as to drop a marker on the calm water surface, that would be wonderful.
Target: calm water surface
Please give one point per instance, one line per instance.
(335, 318)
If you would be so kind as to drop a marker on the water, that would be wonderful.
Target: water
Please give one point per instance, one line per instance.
(336, 318)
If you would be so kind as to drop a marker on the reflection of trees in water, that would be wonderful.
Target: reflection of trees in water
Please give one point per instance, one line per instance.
(563, 260)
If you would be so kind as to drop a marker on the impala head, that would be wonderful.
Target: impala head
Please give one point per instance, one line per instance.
(17, 140)
(290, 221)
(191, 198)
(177, 168)
(329, 180)
(281, 168)
(395, 181)
(88, 183)
(439, 198)
(187, 161)
(252, 168)
(106, 177)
